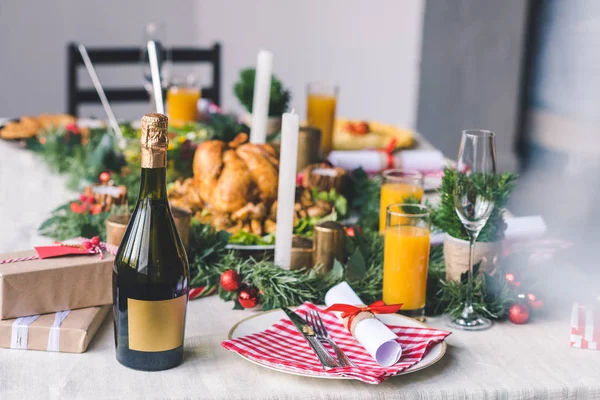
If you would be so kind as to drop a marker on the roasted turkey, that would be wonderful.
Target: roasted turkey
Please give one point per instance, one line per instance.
(229, 176)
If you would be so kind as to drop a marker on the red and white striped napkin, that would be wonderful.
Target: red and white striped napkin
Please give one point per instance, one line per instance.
(282, 345)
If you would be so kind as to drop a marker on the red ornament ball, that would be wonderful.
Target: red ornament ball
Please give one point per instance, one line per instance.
(105, 177)
(518, 313)
(230, 280)
(248, 297)
(95, 241)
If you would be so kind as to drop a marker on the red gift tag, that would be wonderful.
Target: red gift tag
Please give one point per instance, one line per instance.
(58, 251)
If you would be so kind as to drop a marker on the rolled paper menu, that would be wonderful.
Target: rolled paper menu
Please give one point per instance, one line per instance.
(379, 341)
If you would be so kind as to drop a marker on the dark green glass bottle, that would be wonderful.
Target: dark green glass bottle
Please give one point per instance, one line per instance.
(151, 272)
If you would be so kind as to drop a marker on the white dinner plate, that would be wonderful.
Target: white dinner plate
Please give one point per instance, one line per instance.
(260, 322)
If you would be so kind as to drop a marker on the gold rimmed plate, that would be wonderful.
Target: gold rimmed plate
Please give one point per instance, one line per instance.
(260, 322)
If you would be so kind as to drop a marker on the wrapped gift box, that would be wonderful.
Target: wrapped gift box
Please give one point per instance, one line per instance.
(65, 331)
(53, 284)
(585, 327)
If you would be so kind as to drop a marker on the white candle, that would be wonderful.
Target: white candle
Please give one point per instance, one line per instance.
(287, 189)
(260, 102)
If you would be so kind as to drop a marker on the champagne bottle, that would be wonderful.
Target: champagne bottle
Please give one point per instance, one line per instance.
(151, 272)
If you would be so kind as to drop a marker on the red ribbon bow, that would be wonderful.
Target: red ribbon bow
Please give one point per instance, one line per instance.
(87, 246)
(350, 312)
(389, 153)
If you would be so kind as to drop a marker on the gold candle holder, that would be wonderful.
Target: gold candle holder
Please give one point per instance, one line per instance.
(182, 219)
(309, 146)
(328, 244)
(302, 253)
(116, 225)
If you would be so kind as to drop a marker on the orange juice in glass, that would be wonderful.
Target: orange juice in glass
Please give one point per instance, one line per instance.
(320, 111)
(406, 258)
(182, 102)
(398, 186)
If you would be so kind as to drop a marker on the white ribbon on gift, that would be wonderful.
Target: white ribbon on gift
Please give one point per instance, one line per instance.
(54, 337)
(20, 332)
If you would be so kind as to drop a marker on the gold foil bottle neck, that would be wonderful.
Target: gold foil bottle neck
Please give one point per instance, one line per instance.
(154, 140)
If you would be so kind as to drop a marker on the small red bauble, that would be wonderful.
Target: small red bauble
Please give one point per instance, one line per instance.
(248, 297)
(513, 279)
(105, 177)
(82, 198)
(87, 245)
(230, 280)
(518, 313)
(535, 302)
(95, 240)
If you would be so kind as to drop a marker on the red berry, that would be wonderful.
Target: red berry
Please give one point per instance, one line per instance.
(248, 297)
(77, 208)
(82, 198)
(90, 199)
(518, 313)
(230, 280)
(534, 302)
(95, 240)
(87, 245)
(105, 177)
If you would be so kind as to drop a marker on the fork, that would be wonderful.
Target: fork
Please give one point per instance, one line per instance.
(322, 335)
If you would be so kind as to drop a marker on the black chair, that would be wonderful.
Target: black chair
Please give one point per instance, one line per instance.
(77, 96)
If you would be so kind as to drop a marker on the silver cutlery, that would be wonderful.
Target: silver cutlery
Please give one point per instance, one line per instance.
(326, 359)
(322, 335)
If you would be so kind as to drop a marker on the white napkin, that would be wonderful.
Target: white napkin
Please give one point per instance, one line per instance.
(372, 334)
(421, 160)
(520, 228)
(517, 228)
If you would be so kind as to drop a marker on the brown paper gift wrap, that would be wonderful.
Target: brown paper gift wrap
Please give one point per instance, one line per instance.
(54, 284)
(75, 332)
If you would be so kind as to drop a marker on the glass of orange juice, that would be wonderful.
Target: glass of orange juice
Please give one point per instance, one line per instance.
(320, 111)
(182, 101)
(406, 258)
(398, 186)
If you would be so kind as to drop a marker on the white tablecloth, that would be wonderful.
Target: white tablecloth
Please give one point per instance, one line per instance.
(506, 362)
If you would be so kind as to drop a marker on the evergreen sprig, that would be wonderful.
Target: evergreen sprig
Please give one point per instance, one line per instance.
(64, 224)
(279, 97)
(497, 187)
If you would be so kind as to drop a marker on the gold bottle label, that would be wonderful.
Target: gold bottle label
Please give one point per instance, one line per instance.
(154, 140)
(156, 325)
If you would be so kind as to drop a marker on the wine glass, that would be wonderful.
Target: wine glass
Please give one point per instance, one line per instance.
(474, 202)
(155, 31)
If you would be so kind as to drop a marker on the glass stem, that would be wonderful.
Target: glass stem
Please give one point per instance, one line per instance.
(468, 309)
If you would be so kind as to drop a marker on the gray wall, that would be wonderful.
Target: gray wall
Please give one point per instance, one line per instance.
(470, 72)
(372, 49)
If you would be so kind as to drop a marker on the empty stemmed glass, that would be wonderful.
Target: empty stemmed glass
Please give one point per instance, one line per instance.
(474, 202)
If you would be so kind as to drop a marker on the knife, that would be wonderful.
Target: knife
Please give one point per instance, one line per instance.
(326, 359)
